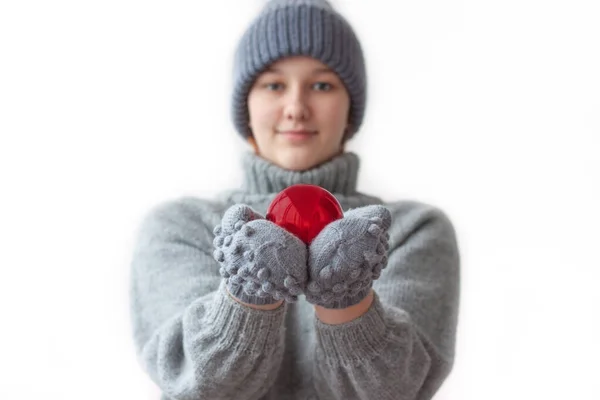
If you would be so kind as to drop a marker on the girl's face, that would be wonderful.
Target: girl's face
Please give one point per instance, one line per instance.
(298, 112)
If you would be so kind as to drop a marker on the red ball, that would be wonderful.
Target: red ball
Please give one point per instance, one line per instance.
(304, 210)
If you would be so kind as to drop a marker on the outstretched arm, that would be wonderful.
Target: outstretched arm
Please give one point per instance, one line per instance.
(193, 338)
(402, 345)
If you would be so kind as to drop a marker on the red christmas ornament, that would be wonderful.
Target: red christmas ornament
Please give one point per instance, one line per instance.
(304, 210)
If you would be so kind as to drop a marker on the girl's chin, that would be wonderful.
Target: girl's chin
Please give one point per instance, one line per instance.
(300, 160)
(297, 160)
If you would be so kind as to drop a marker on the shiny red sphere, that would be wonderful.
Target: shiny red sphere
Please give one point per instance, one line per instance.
(304, 210)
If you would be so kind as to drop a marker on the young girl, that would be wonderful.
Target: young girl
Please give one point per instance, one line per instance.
(228, 305)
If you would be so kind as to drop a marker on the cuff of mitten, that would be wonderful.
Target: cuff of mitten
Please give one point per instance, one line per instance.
(334, 303)
(242, 327)
(239, 293)
(354, 341)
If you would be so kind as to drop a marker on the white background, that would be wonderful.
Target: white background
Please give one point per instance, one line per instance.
(487, 109)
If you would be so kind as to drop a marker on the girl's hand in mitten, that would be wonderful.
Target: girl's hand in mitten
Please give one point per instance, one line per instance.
(346, 256)
(262, 262)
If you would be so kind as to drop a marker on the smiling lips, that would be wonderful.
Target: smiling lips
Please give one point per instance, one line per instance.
(298, 135)
(298, 132)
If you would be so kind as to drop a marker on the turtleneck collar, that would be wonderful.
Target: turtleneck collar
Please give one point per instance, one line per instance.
(338, 175)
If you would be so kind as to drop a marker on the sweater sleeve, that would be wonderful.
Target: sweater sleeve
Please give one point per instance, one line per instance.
(402, 348)
(192, 338)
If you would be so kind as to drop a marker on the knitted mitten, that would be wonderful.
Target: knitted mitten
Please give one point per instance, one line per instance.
(262, 262)
(346, 256)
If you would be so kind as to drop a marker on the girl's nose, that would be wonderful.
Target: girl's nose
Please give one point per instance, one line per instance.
(296, 107)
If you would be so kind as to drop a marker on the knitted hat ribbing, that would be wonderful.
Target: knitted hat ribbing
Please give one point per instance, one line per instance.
(299, 27)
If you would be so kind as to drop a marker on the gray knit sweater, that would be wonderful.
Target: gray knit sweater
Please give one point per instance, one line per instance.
(196, 342)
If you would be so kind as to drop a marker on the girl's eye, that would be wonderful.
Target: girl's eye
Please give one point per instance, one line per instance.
(273, 86)
(319, 86)
(322, 86)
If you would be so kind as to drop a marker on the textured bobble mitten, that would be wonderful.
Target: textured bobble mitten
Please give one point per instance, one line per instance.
(262, 262)
(346, 256)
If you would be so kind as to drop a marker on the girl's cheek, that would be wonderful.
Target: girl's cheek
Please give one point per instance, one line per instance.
(272, 113)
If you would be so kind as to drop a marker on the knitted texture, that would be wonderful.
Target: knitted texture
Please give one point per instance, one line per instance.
(292, 28)
(262, 262)
(347, 255)
(262, 176)
(195, 341)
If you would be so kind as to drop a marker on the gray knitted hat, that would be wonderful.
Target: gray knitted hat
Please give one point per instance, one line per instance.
(299, 27)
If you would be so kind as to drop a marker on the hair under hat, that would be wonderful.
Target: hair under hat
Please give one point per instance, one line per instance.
(299, 28)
